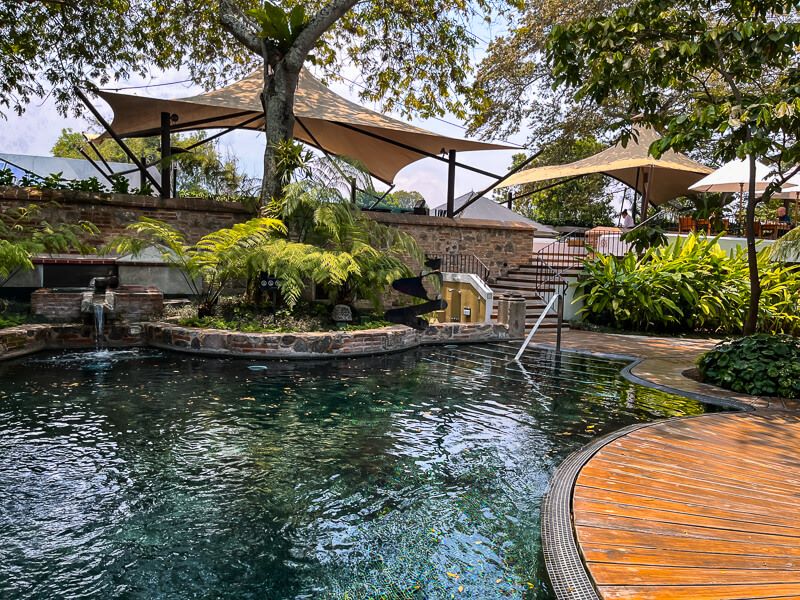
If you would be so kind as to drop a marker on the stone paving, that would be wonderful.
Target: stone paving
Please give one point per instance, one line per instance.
(663, 362)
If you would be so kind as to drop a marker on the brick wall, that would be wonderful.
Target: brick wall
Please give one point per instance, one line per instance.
(500, 245)
(195, 217)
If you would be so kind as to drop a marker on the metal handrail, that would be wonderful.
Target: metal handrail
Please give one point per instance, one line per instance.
(556, 297)
(635, 227)
(462, 263)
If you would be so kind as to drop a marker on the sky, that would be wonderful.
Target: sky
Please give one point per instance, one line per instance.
(37, 129)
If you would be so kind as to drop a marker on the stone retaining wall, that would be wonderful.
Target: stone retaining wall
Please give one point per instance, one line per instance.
(333, 344)
(195, 217)
(500, 245)
(27, 339)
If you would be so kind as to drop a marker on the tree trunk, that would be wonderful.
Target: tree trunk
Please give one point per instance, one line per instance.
(277, 97)
(751, 319)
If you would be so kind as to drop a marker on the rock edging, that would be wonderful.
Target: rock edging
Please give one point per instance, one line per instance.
(27, 339)
(325, 344)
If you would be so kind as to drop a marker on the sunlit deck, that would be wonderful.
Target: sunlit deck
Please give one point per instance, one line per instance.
(699, 508)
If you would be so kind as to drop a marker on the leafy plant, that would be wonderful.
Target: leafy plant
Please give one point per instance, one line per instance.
(146, 189)
(24, 233)
(92, 184)
(53, 181)
(120, 184)
(759, 365)
(644, 237)
(689, 285)
(6, 177)
(333, 244)
(208, 265)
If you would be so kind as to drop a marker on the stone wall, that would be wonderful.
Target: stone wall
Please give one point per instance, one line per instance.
(500, 245)
(195, 217)
(27, 339)
(328, 344)
(128, 303)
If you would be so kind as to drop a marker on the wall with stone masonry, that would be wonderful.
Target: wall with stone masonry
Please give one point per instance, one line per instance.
(328, 344)
(195, 217)
(500, 245)
(27, 339)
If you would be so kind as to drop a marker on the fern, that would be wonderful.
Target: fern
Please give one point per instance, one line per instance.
(207, 266)
(24, 234)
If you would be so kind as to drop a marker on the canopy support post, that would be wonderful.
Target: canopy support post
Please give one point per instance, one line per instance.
(451, 183)
(166, 155)
(516, 169)
(116, 137)
(635, 194)
(97, 152)
(95, 165)
(648, 178)
(509, 199)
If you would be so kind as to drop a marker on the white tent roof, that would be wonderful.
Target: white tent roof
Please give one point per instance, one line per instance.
(489, 210)
(70, 168)
(733, 177)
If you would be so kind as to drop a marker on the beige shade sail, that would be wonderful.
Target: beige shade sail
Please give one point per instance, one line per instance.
(324, 119)
(660, 179)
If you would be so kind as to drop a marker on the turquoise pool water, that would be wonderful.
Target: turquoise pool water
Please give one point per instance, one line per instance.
(142, 474)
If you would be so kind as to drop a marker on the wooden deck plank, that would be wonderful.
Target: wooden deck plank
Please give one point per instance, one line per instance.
(697, 508)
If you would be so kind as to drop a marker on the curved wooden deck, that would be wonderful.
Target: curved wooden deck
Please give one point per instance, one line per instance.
(697, 508)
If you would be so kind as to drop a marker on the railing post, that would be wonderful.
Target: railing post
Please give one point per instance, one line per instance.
(560, 313)
(451, 183)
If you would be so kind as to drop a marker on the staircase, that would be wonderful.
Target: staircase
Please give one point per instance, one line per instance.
(538, 280)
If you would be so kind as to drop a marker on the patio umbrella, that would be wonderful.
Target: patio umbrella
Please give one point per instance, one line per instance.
(732, 177)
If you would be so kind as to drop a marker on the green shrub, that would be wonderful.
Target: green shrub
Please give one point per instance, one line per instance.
(759, 365)
(689, 285)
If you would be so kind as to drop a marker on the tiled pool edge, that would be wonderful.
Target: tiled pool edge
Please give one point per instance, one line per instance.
(20, 341)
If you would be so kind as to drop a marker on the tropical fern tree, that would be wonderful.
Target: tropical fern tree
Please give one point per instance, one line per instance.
(331, 243)
(207, 266)
(24, 233)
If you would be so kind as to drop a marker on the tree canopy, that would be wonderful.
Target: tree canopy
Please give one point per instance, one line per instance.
(513, 87)
(725, 74)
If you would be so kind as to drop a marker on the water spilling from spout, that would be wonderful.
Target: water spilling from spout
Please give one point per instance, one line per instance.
(99, 307)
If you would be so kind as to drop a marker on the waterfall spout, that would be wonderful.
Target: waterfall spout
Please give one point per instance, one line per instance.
(99, 307)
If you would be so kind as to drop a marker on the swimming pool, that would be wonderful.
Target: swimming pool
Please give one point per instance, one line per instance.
(144, 474)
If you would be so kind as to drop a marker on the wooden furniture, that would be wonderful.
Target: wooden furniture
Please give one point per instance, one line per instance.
(687, 224)
(704, 224)
(769, 230)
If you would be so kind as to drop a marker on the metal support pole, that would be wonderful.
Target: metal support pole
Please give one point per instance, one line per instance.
(560, 312)
(166, 154)
(451, 183)
(97, 153)
(635, 193)
(175, 181)
(143, 173)
(509, 199)
(95, 165)
(113, 134)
